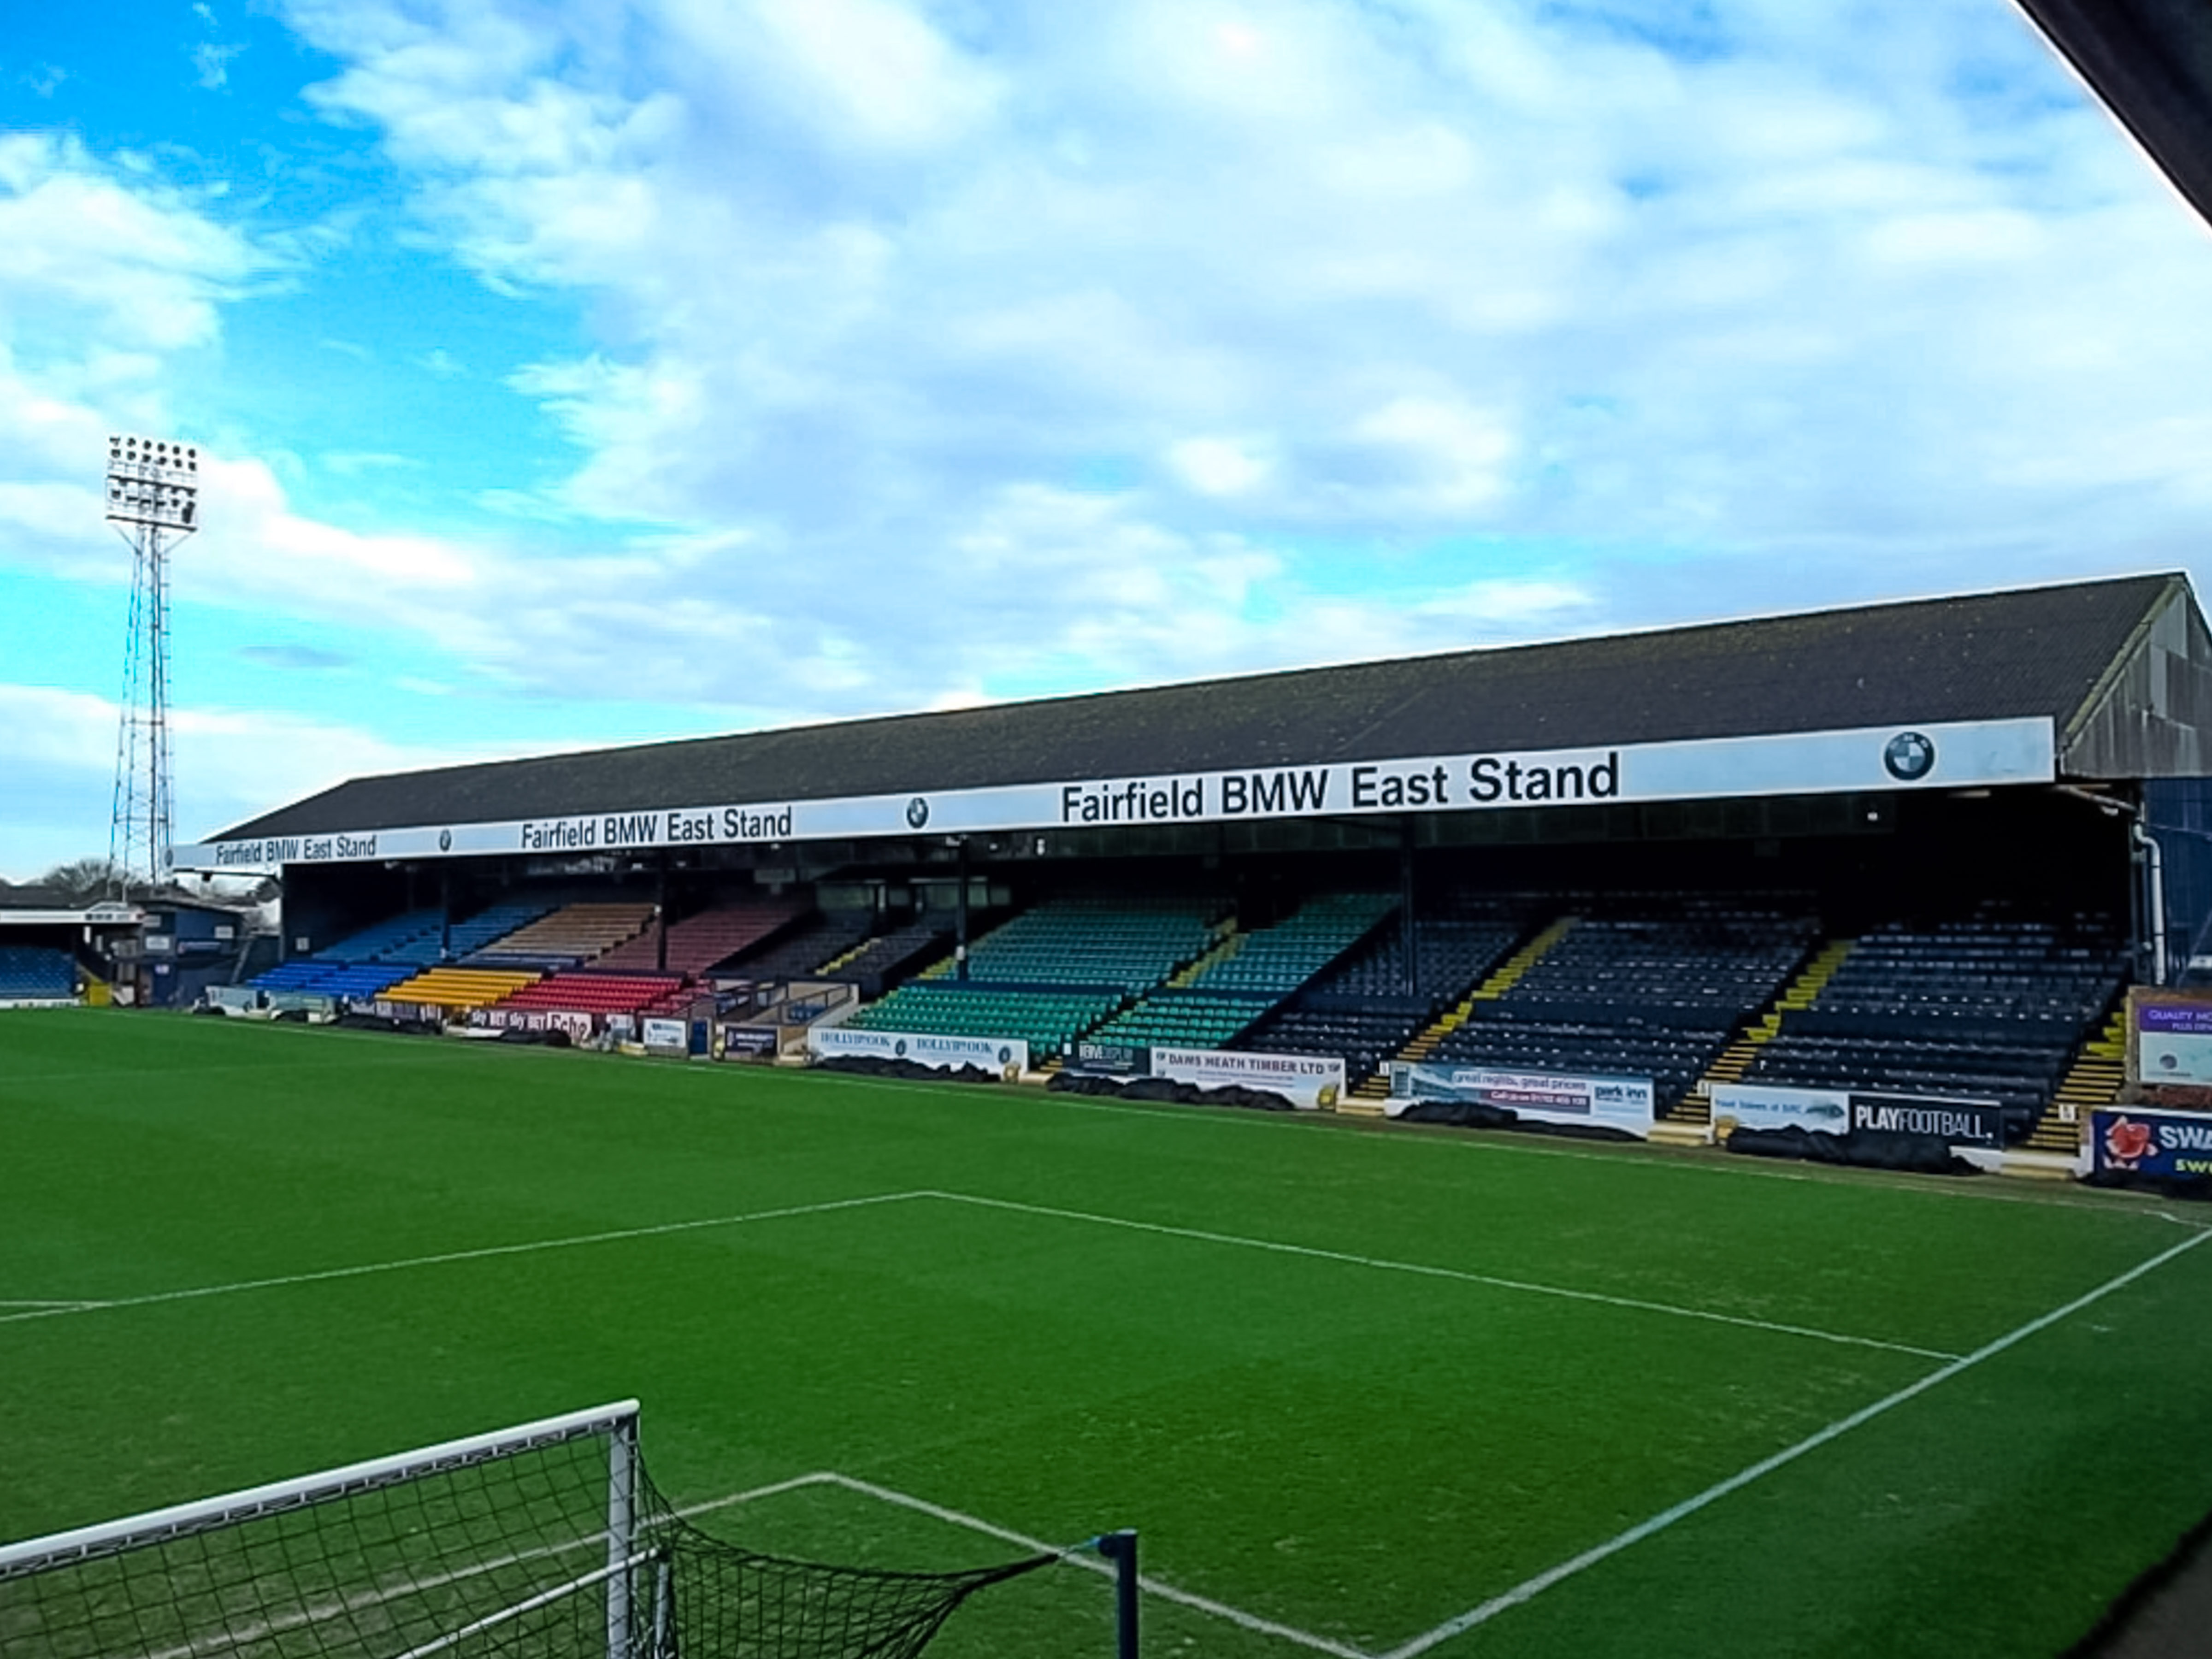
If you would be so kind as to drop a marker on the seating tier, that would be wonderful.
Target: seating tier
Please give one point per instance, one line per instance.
(1048, 1020)
(574, 933)
(381, 940)
(1278, 960)
(36, 973)
(458, 988)
(588, 991)
(887, 955)
(1990, 1008)
(1129, 945)
(310, 976)
(804, 952)
(1184, 1020)
(697, 943)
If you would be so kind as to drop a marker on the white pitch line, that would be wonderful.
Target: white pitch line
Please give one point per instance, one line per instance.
(663, 1229)
(1459, 1275)
(486, 1252)
(1478, 1142)
(1166, 1592)
(317, 1612)
(46, 1301)
(1532, 1587)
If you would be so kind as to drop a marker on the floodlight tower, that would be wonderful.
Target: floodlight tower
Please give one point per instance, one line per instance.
(153, 499)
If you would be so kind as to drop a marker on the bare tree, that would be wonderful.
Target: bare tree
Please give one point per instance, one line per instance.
(82, 881)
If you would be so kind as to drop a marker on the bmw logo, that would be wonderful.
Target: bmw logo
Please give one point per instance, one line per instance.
(1910, 756)
(445, 840)
(917, 812)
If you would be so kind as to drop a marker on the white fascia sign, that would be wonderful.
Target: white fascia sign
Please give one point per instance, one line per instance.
(1958, 754)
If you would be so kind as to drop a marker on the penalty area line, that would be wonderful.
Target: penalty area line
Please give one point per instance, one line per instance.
(1151, 1586)
(1459, 1275)
(1529, 1589)
(487, 1252)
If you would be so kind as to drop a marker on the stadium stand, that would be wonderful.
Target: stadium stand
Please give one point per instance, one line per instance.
(1992, 1007)
(458, 989)
(31, 973)
(883, 961)
(571, 935)
(590, 991)
(352, 981)
(806, 949)
(1363, 1009)
(1129, 943)
(1253, 972)
(1185, 1019)
(479, 931)
(1658, 993)
(380, 941)
(1048, 1020)
(698, 943)
(1053, 972)
(1276, 961)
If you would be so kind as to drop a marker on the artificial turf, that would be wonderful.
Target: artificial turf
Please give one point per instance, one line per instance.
(1325, 1369)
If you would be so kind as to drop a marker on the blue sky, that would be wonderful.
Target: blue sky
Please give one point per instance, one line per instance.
(574, 372)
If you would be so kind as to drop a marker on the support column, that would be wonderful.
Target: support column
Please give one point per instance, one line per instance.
(1410, 978)
(960, 917)
(660, 918)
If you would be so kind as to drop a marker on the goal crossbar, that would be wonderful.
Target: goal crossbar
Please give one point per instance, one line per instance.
(80, 1544)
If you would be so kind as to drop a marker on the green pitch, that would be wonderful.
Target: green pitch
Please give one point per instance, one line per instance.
(1364, 1391)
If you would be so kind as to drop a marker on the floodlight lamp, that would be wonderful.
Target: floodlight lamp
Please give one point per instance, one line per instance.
(153, 481)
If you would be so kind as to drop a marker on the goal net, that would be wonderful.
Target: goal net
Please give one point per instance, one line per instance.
(545, 1540)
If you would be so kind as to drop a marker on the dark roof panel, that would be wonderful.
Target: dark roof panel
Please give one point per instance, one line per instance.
(2151, 63)
(1986, 656)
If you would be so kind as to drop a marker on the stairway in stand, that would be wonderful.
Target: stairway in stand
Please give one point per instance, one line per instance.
(1689, 1120)
(1366, 1098)
(1227, 944)
(2092, 1083)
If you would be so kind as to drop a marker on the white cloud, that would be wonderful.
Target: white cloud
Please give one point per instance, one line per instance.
(87, 261)
(212, 62)
(58, 747)
(952, 348)
(1450, 456)
(1220, 466)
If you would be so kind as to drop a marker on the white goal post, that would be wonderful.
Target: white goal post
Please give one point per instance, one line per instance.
(439, 1529)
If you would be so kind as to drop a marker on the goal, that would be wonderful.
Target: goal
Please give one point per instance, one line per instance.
(545, 1540)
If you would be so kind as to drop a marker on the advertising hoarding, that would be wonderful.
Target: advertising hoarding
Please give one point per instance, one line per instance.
(2170, 1144)
(1617, 1103)
(1308, 1081)
(1007, 1056)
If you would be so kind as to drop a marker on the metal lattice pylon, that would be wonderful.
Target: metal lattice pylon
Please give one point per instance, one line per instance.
(153, 488)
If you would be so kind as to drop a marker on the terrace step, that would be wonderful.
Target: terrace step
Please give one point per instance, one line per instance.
(1696, 1106)
(2092, 1082)
(1501, 979)
(1513, 970)
(2031, 1165)
(1231, 943)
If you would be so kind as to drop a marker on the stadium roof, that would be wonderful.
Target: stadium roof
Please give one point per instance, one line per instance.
(2150, 61)
(2121, 669)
